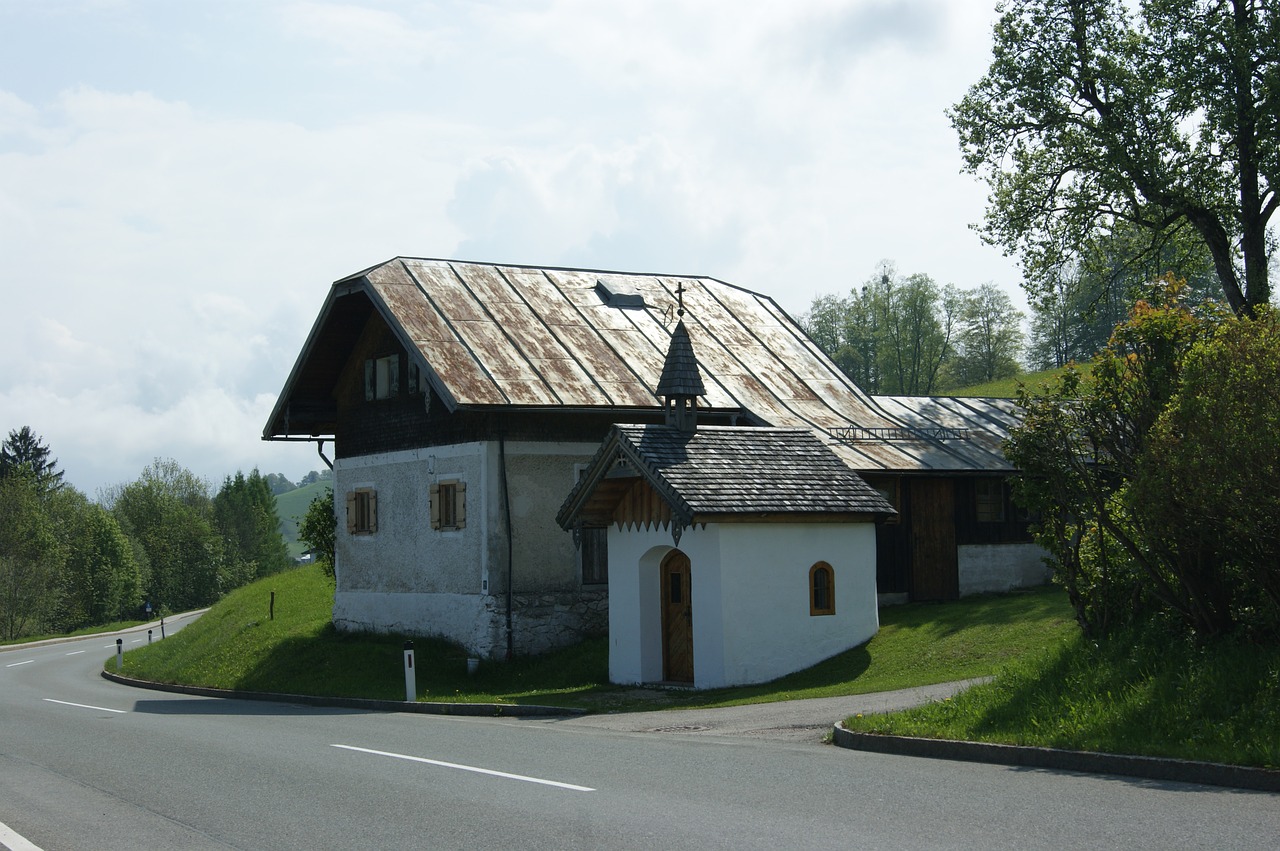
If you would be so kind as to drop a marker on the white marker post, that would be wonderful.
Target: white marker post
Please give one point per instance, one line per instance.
(119, 654)
(410, 686)
(148, 636)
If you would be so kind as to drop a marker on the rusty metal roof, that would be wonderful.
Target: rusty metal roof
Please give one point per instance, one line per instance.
(503, 336)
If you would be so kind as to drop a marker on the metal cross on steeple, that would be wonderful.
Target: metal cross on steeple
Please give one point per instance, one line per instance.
(680, 298)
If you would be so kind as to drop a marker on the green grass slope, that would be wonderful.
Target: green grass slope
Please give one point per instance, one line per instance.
(291, 507)
(236, 646)
(1138, 693)
(1007, 388)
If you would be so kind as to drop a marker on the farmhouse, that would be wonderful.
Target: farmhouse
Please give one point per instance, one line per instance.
(464, 401)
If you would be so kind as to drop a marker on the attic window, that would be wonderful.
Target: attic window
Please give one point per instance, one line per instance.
(381, 377)
(619, 294)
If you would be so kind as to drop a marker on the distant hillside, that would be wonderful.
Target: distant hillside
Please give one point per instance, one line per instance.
(292, 507)
(1007, 388)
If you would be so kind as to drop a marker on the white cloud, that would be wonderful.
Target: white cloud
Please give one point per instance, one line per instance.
(168, 236)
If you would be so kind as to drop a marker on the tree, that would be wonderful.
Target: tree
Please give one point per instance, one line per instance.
(1156, 482)
(1206, 492)
(1080, 301)
(100, 580)
(30, 557)
(319, 529)
(244, 511)
(24, 449)
(168, 512)
(279, 484)
(989, 341)
(917, 321)
(1090, 117)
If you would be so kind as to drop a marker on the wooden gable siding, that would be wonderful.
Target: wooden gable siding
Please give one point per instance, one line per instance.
(641, 508)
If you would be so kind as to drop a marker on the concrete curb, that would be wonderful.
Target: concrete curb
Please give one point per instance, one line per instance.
(485, 710)
(1152, 768)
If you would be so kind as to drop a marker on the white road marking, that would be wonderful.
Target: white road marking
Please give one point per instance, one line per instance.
(472, 768)
(86, 706)
(136, 641)
(14, 841)
(77, 652)
(16, 664)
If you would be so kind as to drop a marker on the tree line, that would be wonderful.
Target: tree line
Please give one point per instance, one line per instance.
(167, 539)
(1132, 152)
(907, 335)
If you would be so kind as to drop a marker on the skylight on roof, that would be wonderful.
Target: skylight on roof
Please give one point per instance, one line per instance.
(619, 293)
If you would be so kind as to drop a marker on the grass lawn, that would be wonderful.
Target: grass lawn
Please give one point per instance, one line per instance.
(1139, 693)
(1007, 388)
(236, 646)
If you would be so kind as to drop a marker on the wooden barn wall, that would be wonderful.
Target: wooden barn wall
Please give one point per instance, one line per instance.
(935, 515)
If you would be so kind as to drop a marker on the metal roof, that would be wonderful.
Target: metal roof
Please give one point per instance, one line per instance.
(503, 336)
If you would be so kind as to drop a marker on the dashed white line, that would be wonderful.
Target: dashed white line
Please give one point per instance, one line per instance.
(77, 652)
(11, 839)
(86, 706)
(472, 768)
(16, 664)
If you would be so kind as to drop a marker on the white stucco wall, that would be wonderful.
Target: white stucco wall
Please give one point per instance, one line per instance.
(986, 568)
(409, 578)
(750, 588)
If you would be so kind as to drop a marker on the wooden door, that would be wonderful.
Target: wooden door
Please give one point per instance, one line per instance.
(677, 619)
(934, 568)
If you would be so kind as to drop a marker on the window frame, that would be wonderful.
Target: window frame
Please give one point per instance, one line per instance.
(824, 569)
(989, 501)
(382, 378)
(448, 498)
(362, 511)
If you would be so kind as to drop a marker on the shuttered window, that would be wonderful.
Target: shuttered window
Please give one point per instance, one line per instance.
(362, 511)
(449, 504)
(381, 377)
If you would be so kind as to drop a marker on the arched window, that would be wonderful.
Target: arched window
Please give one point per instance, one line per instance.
(822, 589)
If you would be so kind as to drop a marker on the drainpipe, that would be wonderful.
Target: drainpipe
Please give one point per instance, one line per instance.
(320, 452)
(506, 511)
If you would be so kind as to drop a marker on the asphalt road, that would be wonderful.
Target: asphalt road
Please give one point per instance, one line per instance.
(88, 764)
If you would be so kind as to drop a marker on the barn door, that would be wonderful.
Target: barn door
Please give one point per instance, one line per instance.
(934, 569)
(677, 619)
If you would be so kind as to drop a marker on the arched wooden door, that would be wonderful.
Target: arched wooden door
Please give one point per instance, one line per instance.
(677, 619)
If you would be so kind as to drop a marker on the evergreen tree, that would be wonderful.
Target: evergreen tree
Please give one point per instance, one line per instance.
(24, 449)
(245, 513)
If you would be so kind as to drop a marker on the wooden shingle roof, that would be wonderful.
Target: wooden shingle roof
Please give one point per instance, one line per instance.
(680, 375)
(722, 474)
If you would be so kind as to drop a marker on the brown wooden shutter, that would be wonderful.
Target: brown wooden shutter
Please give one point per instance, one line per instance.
(373, 510)
(460, 504)
(435, 506)
(351, 512)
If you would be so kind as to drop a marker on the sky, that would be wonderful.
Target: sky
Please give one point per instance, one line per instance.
(180, 182)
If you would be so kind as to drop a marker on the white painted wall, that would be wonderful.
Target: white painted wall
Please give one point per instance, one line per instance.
(750, 586)
(408, 577)
(987, 568)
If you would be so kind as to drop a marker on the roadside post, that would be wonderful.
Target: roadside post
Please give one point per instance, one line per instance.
(410, 686)
(148, 636)
(119, 654)
(162, 629)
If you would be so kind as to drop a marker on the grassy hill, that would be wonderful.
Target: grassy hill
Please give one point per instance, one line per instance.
(1007, 388)
(292, 507)
(236, 646)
